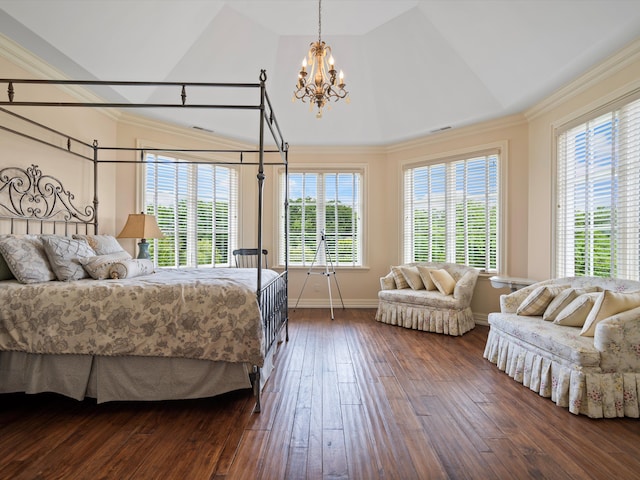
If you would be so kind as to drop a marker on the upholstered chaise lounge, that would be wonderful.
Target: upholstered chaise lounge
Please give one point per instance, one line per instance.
(405, 301)
(575, 340)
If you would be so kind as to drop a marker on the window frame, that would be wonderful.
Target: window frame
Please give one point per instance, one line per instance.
(612, 104)
(193, 162)
(501, 149)
(325, 169)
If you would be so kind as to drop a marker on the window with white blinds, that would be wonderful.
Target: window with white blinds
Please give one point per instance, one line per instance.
(452, 211)
(196, 208)
(323, 202)
(598, 196)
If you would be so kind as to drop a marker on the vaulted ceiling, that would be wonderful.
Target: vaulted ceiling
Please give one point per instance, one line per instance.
(411, 67)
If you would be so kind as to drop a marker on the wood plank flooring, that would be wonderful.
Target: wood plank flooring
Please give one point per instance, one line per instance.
(349, 399)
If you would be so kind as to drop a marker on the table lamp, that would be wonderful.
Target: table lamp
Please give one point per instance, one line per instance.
(142, 226)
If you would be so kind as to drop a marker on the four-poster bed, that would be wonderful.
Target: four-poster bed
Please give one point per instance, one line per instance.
(175, 333)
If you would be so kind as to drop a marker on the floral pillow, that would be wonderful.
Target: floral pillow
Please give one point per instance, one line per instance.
(65, 254)
(26, 258)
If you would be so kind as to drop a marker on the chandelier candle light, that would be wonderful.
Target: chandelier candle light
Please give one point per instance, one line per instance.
(319, 84)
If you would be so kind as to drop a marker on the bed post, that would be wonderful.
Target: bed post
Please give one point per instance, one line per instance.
(95, 187)
(255, 383)
(261, 176)
(286, 235)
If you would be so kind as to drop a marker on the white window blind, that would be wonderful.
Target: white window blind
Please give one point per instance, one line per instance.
(451, 211)
(196, 208)
(329, 202)
(598, 196)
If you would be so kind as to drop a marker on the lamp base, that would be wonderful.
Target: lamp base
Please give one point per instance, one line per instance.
(143, 250)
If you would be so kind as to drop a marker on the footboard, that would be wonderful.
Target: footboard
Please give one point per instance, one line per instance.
(273, 305)
(274, 309)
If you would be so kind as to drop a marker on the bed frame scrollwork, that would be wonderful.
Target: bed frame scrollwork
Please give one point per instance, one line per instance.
(28, 195)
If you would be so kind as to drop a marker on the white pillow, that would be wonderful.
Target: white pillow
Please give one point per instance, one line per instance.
(425, 275)
(26, 258)
(131, 268)
(563, 299)
(64, 254)
(443, 281)
(98, 266)
(412, 276)
(575, 314)
(537, 301)
(609, 304)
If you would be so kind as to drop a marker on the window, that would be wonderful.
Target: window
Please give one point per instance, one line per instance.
(196, 208)
(598, 195)
(323, 202)
(451, 211)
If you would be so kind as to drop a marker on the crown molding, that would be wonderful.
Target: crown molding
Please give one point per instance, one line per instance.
(466, 131)
(126, 118)
(336, 150)
(34, 65)
(602, 71)
(26, 60)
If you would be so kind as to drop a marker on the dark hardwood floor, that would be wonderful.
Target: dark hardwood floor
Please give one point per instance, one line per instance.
(350, 398)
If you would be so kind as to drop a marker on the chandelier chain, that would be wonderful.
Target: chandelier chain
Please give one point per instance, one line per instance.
(319, 21)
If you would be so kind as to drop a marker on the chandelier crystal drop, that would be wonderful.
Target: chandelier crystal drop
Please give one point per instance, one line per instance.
(317, 79)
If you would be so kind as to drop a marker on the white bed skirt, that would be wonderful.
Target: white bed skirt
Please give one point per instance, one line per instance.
(448, 322)
(595, 394)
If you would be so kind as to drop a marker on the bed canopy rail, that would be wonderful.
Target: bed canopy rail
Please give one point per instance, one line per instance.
(264, 106)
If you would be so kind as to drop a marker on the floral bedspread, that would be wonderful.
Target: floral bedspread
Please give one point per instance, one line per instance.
(203, 313)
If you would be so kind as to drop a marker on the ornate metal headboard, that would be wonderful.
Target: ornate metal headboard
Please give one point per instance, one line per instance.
(35, 203)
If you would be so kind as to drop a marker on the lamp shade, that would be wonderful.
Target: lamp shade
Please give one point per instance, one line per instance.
(140, 225)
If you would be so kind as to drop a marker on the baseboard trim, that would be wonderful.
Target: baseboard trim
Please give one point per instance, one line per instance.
(324, 303)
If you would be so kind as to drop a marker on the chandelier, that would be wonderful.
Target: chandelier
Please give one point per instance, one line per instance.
(317, 80)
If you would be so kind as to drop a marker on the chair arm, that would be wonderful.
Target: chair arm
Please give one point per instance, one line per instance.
(464, 287)
(617, 338)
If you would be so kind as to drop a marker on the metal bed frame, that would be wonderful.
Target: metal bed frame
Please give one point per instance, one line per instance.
(33, 198)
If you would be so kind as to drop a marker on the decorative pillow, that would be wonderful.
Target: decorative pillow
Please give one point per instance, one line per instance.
(575, 314)
(5, 271)
(64, 254)
(98, 266)
(425, 276)
(26, 258)
(443, 281)
(609, 304)
(412, 276)
(387, 282)
(538, 300)
(101, 244)
(401, 282)
(563, 299)
(131, 268)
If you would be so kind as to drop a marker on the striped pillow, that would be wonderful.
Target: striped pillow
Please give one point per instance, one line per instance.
(539, 299)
